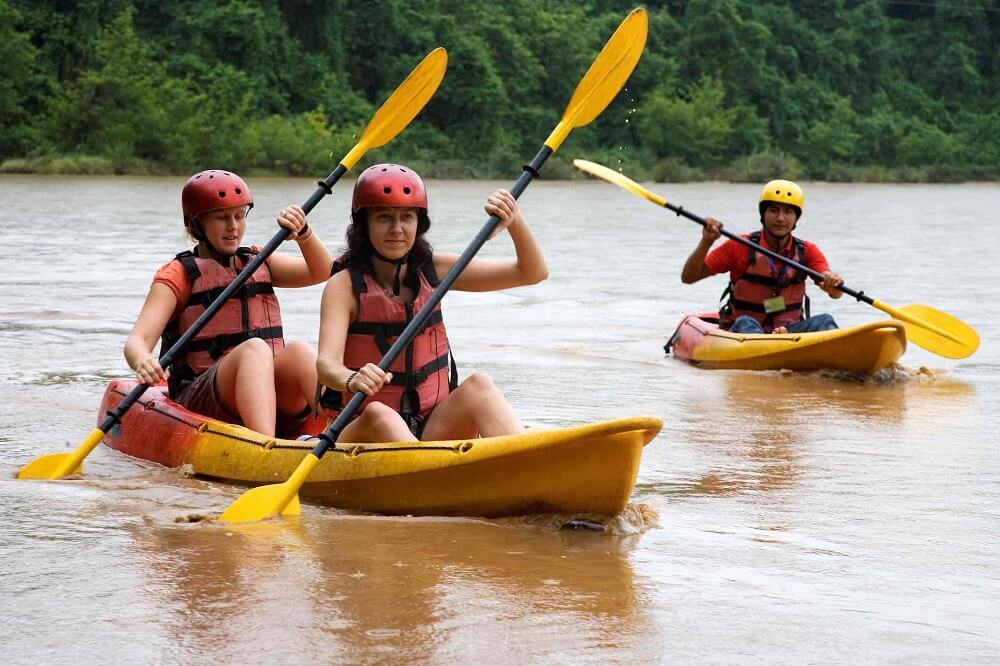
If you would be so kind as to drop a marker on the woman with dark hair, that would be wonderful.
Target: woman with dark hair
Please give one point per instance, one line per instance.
(385, 276)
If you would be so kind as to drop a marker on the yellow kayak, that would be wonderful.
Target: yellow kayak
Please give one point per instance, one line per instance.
(587, 469)
(863, 349)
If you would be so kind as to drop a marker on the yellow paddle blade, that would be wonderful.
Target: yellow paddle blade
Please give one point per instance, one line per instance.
(934, 330)
(606, 76)
(262, 502)
(402, 106)
(58, 465)
(618, 179)
(266, 501)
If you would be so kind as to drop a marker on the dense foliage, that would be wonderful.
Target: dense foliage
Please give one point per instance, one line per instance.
(738, 89)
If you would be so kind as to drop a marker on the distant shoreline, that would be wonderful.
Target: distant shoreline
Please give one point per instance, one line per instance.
(559, 168)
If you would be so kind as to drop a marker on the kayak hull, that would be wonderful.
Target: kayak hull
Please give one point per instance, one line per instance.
(588, 469)
(862, 349)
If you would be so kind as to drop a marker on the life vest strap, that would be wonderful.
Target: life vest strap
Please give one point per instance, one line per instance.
(390, 329)
(187, 259)
(217, 345)
(248, 290)
(419, 376)
(759, 307)
(769, 281)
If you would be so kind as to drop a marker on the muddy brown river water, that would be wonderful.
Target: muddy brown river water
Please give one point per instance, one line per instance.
(811, 518)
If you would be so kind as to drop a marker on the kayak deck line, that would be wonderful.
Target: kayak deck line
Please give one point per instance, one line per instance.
(743, 338)
(863, 349)
(587, 469)
(292, 444)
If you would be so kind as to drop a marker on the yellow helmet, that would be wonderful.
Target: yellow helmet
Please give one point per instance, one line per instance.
(781, 191)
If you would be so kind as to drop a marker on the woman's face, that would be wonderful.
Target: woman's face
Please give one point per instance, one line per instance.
(224, 228)
(391, 230)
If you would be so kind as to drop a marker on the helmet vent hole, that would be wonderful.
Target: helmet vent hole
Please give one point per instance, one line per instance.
(222, 194)
(239, 191)
(384, 169)
(402, 169)
(387, 190)
(406, 190)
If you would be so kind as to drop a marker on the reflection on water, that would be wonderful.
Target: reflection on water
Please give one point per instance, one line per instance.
(762, 420)
(365, 588)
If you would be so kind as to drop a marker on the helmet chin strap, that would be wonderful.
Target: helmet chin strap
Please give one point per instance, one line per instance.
(399, 265)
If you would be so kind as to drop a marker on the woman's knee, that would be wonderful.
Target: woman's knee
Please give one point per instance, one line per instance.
(479, 383)
(252, 355)
(300, 350)
(298, 358)
(380, 415)
(256, 349)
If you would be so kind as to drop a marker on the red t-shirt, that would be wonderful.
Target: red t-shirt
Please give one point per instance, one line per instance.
(735, 257)
(172, 274)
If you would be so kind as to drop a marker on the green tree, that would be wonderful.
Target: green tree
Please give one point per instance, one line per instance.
(16, 75)
(694, 126)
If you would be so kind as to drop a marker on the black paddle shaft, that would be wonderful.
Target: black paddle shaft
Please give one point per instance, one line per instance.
(328, 437)
(860, 295)
(325, 187)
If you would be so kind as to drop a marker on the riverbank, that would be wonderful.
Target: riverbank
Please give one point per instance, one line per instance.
(752, 169)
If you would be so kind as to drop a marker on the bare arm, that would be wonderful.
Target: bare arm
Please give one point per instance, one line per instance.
(160, 304)
(695, 268)
(316, 262)
(527, 267)
(338, 309)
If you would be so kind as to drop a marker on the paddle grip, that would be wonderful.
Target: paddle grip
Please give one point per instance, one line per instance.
(115, 416)
(860, 295)
(328, 437)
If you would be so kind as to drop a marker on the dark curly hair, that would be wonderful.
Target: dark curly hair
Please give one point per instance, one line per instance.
(359, 253)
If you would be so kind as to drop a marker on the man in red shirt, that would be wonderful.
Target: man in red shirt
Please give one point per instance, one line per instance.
(765, 295)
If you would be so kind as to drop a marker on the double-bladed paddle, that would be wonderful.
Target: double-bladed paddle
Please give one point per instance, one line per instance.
(927, 327)
(393, 116)
(606, 76)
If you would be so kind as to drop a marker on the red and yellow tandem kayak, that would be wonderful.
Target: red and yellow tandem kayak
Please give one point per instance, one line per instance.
(588, 469)
(864, 349)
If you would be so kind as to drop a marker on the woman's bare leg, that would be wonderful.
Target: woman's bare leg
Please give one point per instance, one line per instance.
(244, 383)
(295, 378)
(477, 408)
(378, 423)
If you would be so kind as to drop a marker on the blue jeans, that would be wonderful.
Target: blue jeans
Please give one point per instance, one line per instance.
(820, 322)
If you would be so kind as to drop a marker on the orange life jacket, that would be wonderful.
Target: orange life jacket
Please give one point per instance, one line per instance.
(251, 312)
(766, 278)
(422, 376)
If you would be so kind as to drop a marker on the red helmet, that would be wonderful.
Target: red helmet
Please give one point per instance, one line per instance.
(389, 185)
(211, 190)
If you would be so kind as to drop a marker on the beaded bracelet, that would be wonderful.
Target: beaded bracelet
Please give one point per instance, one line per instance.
(347, 384)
